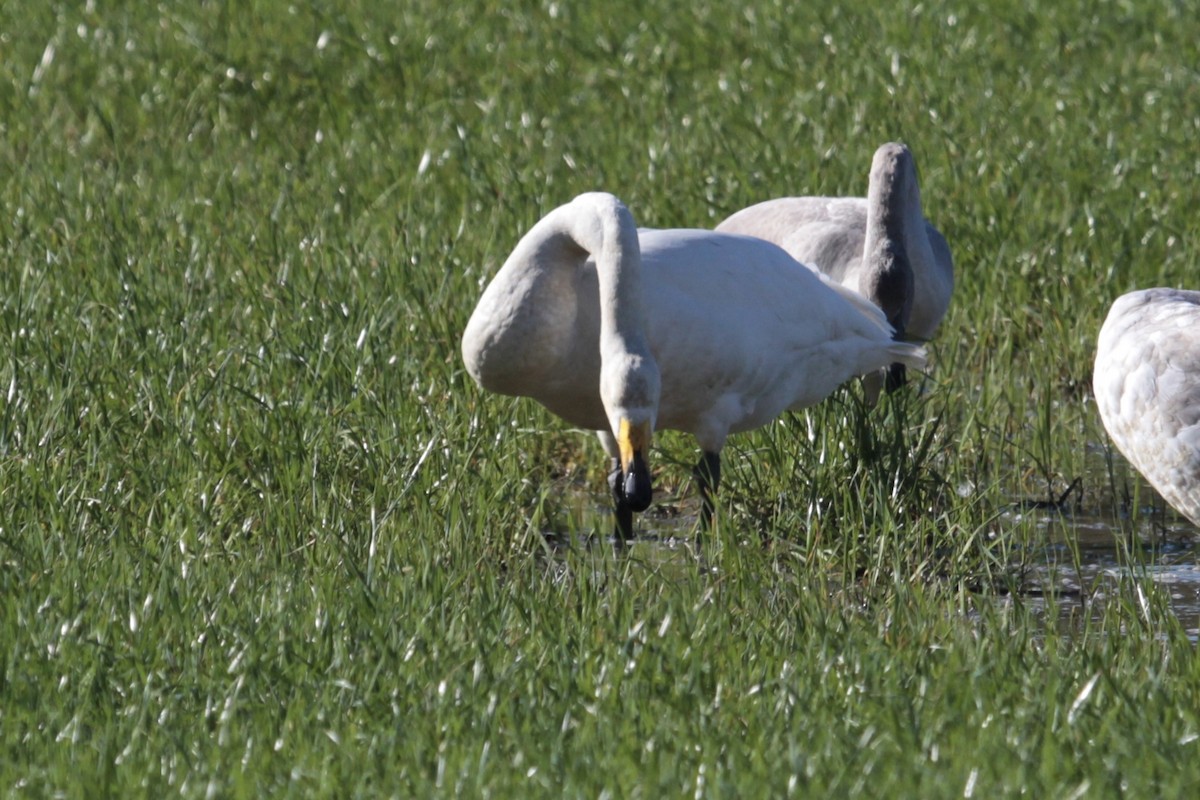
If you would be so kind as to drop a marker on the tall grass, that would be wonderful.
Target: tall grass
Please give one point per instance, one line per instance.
(261, 535)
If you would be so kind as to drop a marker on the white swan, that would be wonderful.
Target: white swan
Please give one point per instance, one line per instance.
(1147, 386)
(881, 245)
(625, 331)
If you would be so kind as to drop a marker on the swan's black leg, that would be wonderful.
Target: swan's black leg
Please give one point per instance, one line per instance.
(708, 478)
(622, 513)
(896, 377)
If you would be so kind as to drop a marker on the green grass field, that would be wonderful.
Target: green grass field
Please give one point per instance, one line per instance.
(260, 535)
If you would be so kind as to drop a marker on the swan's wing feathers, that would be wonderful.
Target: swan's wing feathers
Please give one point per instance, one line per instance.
(771, 219)
(736, 324)
(1147, 389)
(860, 304)
(792, 212)
(824, 233)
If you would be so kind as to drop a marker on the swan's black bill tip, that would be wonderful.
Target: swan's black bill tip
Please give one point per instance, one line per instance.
(637, 489)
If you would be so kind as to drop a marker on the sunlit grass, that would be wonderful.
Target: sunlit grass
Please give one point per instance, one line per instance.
(262, 536)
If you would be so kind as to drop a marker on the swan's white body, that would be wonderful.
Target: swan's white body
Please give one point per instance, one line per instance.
(867, 243)
(1147, 386)
(616, 329)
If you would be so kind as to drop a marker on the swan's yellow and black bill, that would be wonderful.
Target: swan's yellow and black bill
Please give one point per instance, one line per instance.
(633, 442)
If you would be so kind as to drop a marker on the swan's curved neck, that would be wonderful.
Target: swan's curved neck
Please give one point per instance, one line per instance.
(893, 204)
(534, 332)
(528, 321)
(893, 218)
(629, 377)
(598, 226)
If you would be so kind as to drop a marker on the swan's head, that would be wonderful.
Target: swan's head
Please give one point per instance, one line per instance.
(633, 442)
(630, 387)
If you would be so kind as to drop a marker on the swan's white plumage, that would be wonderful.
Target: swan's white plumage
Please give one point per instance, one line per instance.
(698, 331)
(1147, 387)
(844, 237)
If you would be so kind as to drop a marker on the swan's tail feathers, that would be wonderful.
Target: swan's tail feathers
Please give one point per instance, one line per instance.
(910, 355)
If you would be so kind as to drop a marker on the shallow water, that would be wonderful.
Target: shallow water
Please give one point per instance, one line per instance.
(1076, 558)
(1086, 557)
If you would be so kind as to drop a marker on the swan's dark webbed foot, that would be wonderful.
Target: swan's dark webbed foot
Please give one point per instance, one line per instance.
(708, 478)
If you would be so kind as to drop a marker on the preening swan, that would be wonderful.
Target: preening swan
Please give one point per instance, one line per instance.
(1147, 385)
(881, 246)
(624, 332)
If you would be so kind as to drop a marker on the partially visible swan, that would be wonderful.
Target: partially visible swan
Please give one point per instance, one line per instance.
(625, 331)
(881, 245)
(1147, 385)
